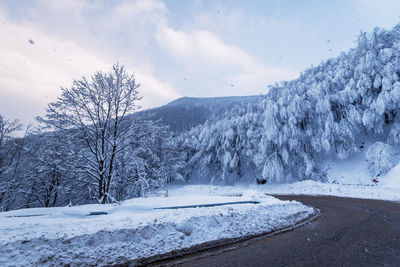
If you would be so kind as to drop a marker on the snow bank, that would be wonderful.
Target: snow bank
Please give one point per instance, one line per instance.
(134, 229)
(388, 188)
(346, 178)
(342, 190)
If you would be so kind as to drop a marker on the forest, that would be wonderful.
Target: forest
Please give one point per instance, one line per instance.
(93, 146)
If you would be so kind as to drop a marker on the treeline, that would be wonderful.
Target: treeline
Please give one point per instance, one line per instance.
(90, 148)
(87, 148)
(332, 109)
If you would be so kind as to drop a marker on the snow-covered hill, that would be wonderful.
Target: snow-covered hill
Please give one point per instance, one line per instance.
(334, 111)
(186, 112)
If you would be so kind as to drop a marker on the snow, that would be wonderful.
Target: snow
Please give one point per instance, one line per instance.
(354, 172)
(307, 187)
(135, 229)
(392, 178)
(345, 178)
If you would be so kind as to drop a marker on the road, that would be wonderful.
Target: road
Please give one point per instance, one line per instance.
(349, 232)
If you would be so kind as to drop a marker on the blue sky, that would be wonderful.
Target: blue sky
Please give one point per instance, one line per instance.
(175, 48)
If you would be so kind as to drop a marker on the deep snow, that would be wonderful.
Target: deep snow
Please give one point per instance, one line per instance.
(307, 187)
(346, 178)
(134, 229)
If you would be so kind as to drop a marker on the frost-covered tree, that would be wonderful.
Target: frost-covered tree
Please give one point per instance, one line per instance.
(380, 158)
(50, 177)
(147, 162)
(7, 129)
(394, 134)
(11, 149)
(185, 147)
(331, 109)
(98, 109)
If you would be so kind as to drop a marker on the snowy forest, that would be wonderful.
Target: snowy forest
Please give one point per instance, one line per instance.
(93, 145)
(333, 109)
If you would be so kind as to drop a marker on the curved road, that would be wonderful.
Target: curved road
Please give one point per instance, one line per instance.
(349, 232)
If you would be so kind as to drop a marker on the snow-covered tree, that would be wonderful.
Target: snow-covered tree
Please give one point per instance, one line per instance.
(146, 163)
(10, 159)
(380, 158)
(331, 108)
(98, 109)
(7, 129)
(50, 177)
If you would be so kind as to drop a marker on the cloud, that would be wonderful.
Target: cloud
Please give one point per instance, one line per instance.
(153, 91)
(137, 8)
(75, 38)
(204, 51)
(32, 72)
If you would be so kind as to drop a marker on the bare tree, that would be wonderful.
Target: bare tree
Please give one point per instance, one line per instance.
(9, 157)
(49, 168)
(7, 128)
(97, 110)
(147, 163)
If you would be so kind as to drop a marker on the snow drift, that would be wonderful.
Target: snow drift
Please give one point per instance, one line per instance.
(67, 236)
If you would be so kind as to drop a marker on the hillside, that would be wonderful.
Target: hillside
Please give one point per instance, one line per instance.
(333, 111)
(337, 122)
(186, 112)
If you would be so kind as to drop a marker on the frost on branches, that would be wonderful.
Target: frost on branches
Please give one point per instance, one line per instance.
(91, 145)
(331, 109)
(380, 158)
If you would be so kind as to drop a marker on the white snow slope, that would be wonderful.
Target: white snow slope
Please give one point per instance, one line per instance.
(346, 178)
(134, 229)
(307, 187)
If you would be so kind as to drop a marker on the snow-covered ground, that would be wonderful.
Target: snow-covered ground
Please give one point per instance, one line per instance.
(134, 229)
(346, 178)
(307, 187)
(354, 170)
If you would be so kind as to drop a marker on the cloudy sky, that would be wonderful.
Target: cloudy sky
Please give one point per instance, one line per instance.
(174, 47)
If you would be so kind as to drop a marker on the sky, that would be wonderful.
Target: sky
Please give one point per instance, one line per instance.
(175, 48)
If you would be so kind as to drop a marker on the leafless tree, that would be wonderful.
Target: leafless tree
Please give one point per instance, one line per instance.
(9, 157)
(98, 109)
(7, 128)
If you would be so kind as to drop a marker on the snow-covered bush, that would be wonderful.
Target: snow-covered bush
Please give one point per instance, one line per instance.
(394, 134)
(380, 158)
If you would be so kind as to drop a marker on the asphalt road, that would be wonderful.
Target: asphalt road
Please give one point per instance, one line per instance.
(349, 232)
